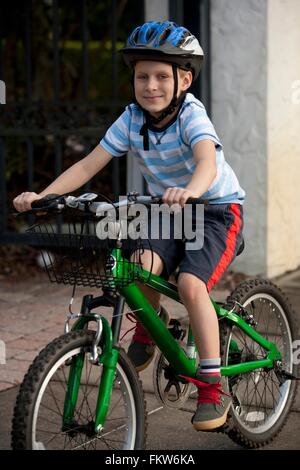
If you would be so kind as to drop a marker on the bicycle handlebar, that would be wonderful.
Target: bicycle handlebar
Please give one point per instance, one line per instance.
(87, 202)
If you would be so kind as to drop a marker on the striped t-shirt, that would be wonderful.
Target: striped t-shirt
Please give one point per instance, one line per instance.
(169, 162)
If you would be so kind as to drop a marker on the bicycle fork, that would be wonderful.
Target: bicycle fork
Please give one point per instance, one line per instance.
(108, 358)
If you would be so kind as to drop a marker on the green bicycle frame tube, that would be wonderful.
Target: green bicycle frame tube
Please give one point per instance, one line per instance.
(104, 394)
(272, 355)
(108, 358)
(72, 389)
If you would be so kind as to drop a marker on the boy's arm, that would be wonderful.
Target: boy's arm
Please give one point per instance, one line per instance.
(206, 170)
(73, 178)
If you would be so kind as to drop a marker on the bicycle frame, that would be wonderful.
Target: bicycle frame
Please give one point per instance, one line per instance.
(170, 348)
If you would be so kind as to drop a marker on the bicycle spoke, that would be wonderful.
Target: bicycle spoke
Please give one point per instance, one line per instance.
(50, 409)
(54, 399)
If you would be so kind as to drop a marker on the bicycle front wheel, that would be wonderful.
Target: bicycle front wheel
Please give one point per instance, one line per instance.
(261, 403)
(38, 414)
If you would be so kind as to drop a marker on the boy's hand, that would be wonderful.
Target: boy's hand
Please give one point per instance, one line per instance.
(23, 202)
(177, 196)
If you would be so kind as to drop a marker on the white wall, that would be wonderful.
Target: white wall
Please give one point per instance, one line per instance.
(239, 90)
(255, 64)
(283, 216)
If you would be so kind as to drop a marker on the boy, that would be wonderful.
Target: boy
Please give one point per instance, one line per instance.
(180, 155)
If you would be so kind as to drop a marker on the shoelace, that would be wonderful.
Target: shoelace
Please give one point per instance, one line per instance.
(140, 334)
(207, 392)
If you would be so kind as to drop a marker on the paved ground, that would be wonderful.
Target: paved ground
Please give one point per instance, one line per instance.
(32, 314)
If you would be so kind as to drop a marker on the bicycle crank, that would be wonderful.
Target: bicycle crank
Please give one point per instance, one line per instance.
(167, 388)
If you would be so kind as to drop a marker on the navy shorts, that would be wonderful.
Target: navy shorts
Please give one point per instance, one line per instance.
(223, 224)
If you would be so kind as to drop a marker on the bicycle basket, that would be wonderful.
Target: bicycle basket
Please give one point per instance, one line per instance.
(73, 254)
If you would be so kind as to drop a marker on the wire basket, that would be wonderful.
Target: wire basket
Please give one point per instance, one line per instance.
(73, 254)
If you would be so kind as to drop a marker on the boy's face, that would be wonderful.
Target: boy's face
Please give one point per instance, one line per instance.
(154, 85)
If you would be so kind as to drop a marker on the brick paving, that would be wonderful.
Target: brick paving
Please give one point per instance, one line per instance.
(32, 313)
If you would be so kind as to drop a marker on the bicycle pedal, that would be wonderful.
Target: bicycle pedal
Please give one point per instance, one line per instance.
(228, 425)
(176, 330)
(220, 429)
(288, 375)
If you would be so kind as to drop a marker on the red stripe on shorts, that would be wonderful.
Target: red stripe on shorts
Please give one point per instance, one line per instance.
(228, 254)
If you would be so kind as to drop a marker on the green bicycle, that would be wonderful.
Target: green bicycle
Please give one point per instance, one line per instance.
(82, 391)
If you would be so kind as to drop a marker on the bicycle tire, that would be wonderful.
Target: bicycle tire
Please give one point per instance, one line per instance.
(259, 409)
(37, 421)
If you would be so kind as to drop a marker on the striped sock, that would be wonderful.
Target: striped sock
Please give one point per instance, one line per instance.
(210, 366)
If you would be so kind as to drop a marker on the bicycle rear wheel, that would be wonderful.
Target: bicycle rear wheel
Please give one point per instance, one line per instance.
(38, 414)
(261, 403)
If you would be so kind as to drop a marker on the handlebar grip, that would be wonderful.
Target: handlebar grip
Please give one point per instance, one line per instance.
(45, 201)
(196, 200)
(190, 200)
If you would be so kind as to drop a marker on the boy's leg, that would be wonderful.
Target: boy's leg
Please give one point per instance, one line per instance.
(213, 396)
(203, 318)
(199, 271)
(142, 349)
(151, 261)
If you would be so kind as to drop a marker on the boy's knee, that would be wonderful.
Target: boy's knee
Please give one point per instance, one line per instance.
(190, 287)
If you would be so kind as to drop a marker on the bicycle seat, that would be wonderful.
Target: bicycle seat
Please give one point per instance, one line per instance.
(241, 247)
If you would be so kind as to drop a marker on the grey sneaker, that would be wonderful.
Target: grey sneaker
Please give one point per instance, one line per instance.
(213, 402)
(142, 349)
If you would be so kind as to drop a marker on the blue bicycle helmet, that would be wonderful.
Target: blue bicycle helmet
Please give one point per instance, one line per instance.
(165, 41)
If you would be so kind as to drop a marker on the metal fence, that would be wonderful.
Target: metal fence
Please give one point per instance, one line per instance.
(64, 86)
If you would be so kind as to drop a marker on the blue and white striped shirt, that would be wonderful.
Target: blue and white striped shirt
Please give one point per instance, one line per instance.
(171, 162)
